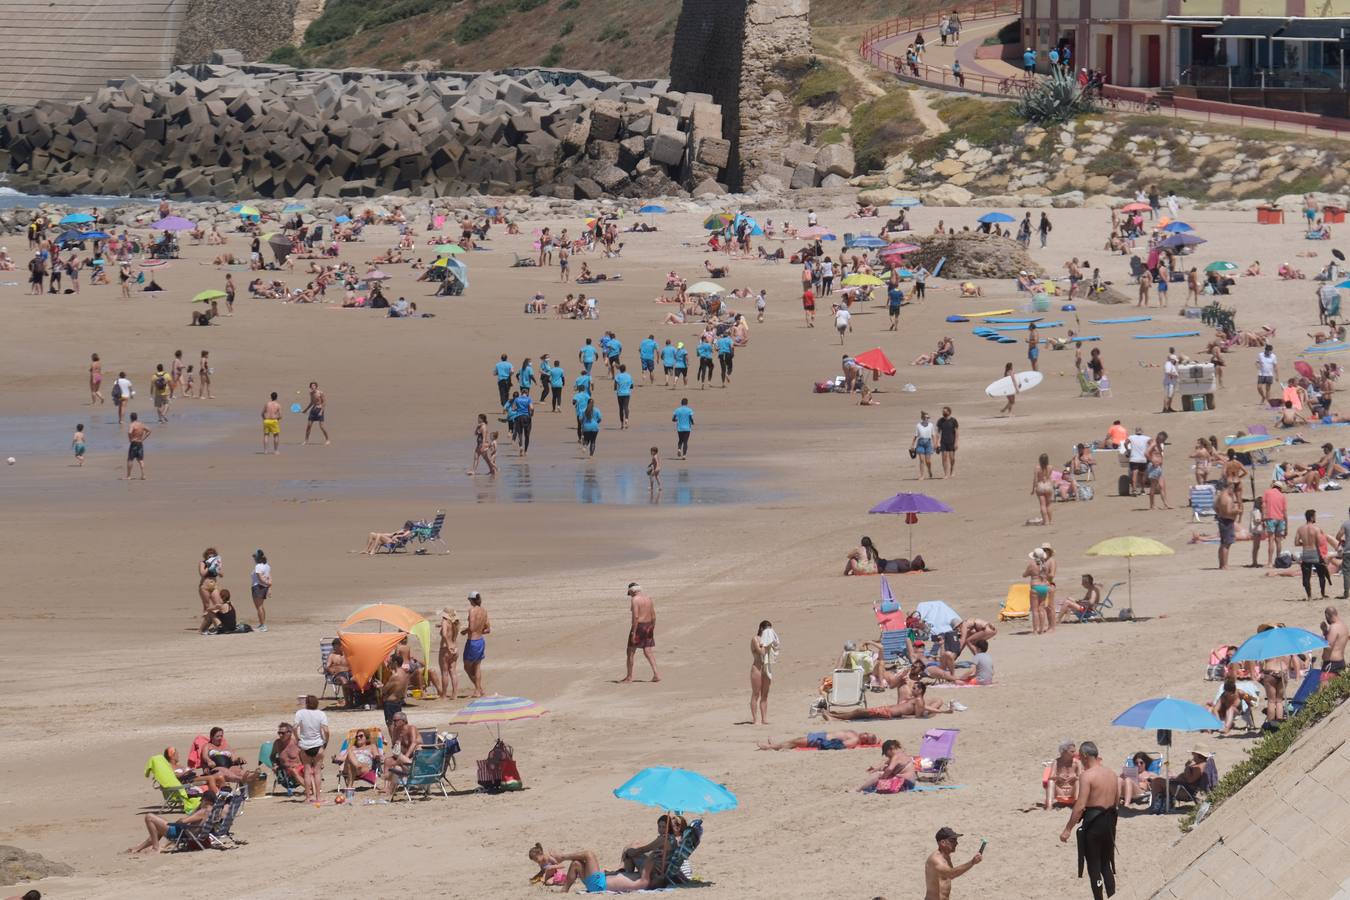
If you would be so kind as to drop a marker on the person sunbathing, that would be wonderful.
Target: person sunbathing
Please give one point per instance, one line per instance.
(1233, 701)
(716, 271)
(339, 672)
(286, 761)
(219, 759)
(358, 761)
(1289, 273)
(823, 740)
(585, 867)
(1337, 333)
(918, 707)
(1135, 784)
(379, 539)
(634, 857)
(946, 349)
(1092, 599)
(971, 289)
(1061, 777)
(161, 829)
(1190, 779)
(896, 773)
(903, 679)
(1253, 270)
(195, 783)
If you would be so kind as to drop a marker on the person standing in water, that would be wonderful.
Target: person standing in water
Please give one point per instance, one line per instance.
(95, 380)
(684, 423)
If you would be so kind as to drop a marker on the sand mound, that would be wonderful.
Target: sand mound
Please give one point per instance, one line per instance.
(971, 255)
(17, 865)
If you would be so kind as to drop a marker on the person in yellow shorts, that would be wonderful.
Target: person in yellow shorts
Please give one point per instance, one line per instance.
(271, 419)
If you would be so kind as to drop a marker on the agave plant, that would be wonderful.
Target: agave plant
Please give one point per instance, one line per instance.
(1055, 99)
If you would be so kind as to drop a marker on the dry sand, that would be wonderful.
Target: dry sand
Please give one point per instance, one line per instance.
(104, 666)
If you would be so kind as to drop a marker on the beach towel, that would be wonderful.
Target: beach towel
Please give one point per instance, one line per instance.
(920, 788)
(1017, 605)
(1167, 336)
(1124, 321)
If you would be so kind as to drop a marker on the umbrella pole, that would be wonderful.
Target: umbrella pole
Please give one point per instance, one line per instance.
(1129, 582)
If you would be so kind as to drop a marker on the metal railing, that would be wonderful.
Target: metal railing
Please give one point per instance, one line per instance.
(940, 75)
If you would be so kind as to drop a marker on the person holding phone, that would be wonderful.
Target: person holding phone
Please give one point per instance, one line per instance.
(939, 870)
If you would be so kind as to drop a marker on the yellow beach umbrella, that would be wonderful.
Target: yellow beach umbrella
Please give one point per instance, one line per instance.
(1129, 547)
(862, 279)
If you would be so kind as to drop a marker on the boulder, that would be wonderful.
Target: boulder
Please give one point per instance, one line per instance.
(836, 159)
(946, 195)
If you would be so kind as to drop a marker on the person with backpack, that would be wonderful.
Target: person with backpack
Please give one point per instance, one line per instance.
(159, 389)
(122, 394)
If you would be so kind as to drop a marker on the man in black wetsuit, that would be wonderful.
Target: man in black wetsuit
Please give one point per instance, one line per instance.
(1095, 814)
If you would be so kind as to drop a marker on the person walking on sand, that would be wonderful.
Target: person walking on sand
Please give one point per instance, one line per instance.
(1007, 409)
(939, 871)
(683, 418)
(318, 402)
(763, 651)
(204, 377)
(262, 586)
(95, 380)
(137, 434)
(1153, 472)
(1033, 347)
(475, 647)
(654, 472)
(176, 369)
(948, 439)
(1044, 228)
(1312, 539)
(641, 631)
(1043, 487)
(271, 423)
(122, 393)
(480, 437)
(921, 445)
(1094, 812)
(229, 294)
(77, 444)
(449, 653)
(1267, 373)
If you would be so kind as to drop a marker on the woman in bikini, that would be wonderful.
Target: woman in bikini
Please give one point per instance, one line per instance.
(358, 759)
(480, 431)
(1043, 486)
(449, 654)
(95, 380)
(1202, 458)
(208, 571)
(1040, 590)
(1061, 777)
(1132, 786)
(763, 647)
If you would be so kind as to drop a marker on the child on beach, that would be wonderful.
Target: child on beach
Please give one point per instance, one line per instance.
(77, 444)
(654, 471)
(187, 382)
(491, 454)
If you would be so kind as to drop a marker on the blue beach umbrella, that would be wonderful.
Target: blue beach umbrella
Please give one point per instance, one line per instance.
(96, 235)
(1181, 240)
(995, 218)
(676, 790)
(1344, 284)
(71, 237)
(1176, 227)
(906, 202)
(1168, 713)
(76, 219)
(653, 209)
(869, 242)
(1278, 642)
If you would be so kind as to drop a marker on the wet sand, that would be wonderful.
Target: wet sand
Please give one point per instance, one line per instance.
(104, 666)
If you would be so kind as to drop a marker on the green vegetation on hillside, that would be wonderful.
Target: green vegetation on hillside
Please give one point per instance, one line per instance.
(881, 128)
(982, 123)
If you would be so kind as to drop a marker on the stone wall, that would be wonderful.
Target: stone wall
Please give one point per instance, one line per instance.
(253, 27)
(727, 48)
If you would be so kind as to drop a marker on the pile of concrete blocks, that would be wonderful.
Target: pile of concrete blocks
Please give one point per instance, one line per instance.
(255, 131)
(805, 166)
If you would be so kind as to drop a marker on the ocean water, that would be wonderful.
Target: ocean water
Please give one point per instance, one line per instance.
(12, 199)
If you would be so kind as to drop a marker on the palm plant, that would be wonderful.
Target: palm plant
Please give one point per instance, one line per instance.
(1054, 99)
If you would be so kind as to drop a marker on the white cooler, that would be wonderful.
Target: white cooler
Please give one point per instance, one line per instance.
(1196, 387)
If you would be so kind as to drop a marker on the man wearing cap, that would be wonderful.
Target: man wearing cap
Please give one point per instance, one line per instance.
(642, 630)
(1095, 809)
(938, 869)
(475, 648)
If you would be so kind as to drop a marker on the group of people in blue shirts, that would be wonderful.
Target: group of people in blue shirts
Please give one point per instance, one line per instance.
(515, 388)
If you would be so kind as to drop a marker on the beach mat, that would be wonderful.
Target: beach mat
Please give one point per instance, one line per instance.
(1170, 334)
(1125, 321)
(920, 789)
(1327, 348)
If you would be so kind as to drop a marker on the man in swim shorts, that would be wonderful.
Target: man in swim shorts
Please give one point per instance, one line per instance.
(824, 740)
(317, 401)
(271, 419)
(395, 690)
(136, 435)
(475, 648)
(641, 630)
(1226, 511)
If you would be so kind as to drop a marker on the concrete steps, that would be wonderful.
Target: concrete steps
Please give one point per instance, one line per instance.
(66, 50)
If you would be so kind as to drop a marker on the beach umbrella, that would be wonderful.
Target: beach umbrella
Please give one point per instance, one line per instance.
(907, 504)
(868, 242)
(95, 235)
(173, 223)
(1135, 207)
(1344, 284)
(208, 296)
(377, 275)
(1303, 368)
(717, 221)
(1167, 713)
(653, 209)
(899, 247)
(1275, 642)
(995, 218)
(1129, 547)
(293, 207)
(876, 361)
(72, 237)
(75, 219)
(400, 617)
(1181, 240)
(456, 266)
(906, 202)
(249, 212)
(817, 231)
(343, 220)
(1221, 266)
(366, 652)
(937, 615)
(862, 279)
(449, 249)
(1250, 443)
(1330, 347)
(497, 710)
(705, 287)
(1175, 227)
(677, 790)
(281, 246)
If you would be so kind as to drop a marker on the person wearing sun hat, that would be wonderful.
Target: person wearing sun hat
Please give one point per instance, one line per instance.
(939, 870)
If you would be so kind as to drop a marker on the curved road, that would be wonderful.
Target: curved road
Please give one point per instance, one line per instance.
(972, 36)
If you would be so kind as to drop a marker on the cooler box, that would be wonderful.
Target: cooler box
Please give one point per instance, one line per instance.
(1269, 215)
(1333, 215)
(1197, 379)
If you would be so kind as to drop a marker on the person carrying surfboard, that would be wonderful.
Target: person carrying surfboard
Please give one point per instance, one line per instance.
(1012, 398)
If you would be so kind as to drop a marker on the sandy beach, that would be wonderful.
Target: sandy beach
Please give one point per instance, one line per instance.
(104, 665)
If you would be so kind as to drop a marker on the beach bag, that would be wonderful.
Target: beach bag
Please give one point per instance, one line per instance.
(1285, 560)
(1085, 492)
(116, 392)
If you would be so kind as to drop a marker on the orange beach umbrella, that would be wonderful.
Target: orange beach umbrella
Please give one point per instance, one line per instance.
(366, 652)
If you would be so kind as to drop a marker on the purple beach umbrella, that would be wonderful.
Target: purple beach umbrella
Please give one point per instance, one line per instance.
(910, 506)
(173, 223)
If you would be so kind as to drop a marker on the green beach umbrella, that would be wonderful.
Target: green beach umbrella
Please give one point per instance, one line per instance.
(449, 249)
(1221, 266)
(208, 296)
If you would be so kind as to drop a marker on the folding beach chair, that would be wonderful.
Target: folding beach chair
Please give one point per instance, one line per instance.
(431, 739)
(325, 651)
(281, 779)
(1202, 501)
(846, 688)
(375, 738)
(428, 766)
(1312, 681)
(429, 534)
(896, 646)
(214, 832)
(1087, 387)
(677, 870)
(1017, 605)
(937, 751)
(1132, 771)
(174, 796)
(523, 262)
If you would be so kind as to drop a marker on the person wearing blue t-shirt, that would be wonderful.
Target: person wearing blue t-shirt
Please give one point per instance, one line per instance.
(647, 354)
(590, 426)
(524, 410)
(1029, 62)
(545, 386)
(612, 353)
(668, 361)
(587, 356)
(583, 383)
(705, 365)
(580, 399)
(503, 371)
(681, 363)
(623, 389)
(684, 423)
(726, 354)
(894, 298)
(509, 410)
(556, 379)
(526, 377)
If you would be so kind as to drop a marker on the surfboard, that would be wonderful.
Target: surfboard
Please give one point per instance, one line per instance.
(1004, 386)
(1162, 337)
(1013, 320)
(1039, 325)
(1125, 321)
(992, 312)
